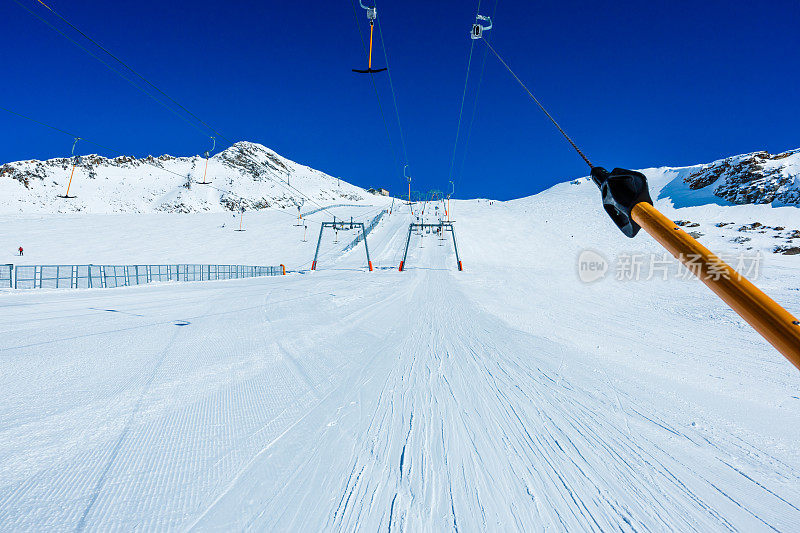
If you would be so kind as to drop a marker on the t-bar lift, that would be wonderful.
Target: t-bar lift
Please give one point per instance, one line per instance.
(337, 225)
(441, 226)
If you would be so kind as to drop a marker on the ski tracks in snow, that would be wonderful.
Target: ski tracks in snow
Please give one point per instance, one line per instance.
(464, 423)
(345, 401)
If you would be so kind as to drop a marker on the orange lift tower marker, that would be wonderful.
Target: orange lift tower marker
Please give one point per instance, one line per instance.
(208, 154)
(241, 217)
(626, 199)
(76, 160)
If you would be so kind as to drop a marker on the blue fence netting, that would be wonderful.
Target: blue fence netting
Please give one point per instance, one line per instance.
(108, 276)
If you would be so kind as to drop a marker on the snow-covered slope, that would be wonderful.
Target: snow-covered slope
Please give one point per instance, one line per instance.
(245, 175)
(511, 396)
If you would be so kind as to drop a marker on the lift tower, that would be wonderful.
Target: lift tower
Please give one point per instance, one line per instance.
(341, 225)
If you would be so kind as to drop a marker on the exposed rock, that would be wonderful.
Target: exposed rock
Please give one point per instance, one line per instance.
(787, 250)
(757, 178)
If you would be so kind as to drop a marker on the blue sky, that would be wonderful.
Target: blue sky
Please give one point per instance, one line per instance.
(636, 84)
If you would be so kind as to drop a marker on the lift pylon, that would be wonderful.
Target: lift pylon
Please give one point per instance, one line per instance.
(338, 225)
(441, 227)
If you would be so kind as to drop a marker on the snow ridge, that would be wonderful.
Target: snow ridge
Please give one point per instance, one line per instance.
(245, 175)
(754, 178)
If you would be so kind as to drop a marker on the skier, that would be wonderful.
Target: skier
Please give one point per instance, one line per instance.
(20, 250)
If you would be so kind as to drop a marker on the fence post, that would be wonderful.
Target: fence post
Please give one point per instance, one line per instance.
(39, 270)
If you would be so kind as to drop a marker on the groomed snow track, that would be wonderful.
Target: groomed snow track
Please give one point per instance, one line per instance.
(347, 400)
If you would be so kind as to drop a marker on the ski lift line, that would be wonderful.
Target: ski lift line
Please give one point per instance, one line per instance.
(472, 118)
(394, 96)
(567, 137)
(475, 103)
(461, 110)
(463, 99)
(108, 66)
(120, 61)
(374, 86)
(84, 139)
(119, 153)
(138, 86)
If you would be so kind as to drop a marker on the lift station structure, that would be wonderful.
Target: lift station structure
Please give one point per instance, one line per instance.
(343, 226)
(441, 226)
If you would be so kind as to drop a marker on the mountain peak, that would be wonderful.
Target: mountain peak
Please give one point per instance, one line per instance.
(246, 174)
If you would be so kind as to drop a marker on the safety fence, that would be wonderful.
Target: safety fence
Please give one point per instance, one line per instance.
(367, 230)
(108, 276)
(5, 276)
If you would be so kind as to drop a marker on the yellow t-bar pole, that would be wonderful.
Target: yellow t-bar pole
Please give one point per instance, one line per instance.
(769, 319)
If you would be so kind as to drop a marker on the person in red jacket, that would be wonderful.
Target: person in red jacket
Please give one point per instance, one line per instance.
(20, 250)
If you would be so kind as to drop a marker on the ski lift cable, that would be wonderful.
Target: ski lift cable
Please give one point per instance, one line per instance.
(468, 137)
(474, 106)
(123, 63)
(110, 67)
(374, 86)
(538, 103)
(394, 96)
(137, 86)
(463, 99)
(461, 109)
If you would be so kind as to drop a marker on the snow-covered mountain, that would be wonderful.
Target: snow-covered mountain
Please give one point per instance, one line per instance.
(251, 175)
(755, 178)
(246, 174)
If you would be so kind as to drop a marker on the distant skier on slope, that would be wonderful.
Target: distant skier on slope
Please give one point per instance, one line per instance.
(20, 250)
